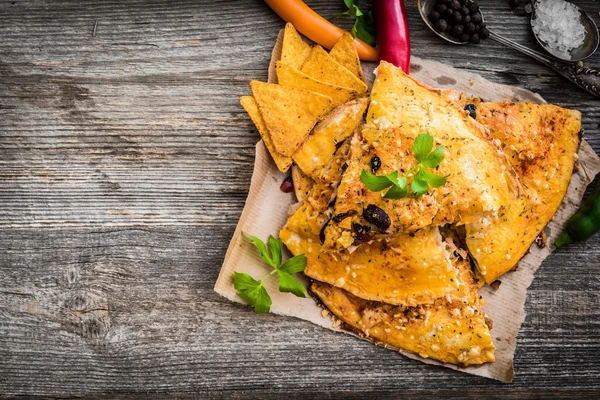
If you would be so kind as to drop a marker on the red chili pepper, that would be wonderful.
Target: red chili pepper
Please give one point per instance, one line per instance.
(392, 32)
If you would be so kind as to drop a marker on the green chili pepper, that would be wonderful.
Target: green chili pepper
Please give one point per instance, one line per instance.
(584, 223)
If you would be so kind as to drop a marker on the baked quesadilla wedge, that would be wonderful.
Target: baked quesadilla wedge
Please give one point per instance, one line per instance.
(454, 329)
(541, 141)
(480, 180)
(409, 269)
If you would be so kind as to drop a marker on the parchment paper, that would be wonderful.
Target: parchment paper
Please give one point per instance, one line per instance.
(266, 211)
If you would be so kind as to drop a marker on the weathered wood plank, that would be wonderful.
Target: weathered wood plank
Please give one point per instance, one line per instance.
(125, 160)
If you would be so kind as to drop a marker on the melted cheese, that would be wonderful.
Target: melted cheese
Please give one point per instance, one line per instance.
(317, 152)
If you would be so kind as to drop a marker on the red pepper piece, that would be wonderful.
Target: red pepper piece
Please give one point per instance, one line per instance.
(392, 32)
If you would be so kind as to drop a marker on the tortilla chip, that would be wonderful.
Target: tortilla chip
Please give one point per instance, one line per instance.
(318, 150)
(283, 162)
(294, 50)
(291, 77)
(345, 54)
(324, 68)
(289, 113)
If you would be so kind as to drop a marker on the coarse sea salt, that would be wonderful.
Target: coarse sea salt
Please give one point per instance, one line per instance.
(558, 23)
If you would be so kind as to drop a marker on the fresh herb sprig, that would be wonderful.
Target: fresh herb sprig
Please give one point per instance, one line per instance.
(364, 24)
(423, 178)
(253, 292)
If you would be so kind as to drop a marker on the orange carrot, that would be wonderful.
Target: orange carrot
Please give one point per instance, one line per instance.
(317, 28)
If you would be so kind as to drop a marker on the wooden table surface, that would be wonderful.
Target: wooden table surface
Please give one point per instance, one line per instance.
(125, 160)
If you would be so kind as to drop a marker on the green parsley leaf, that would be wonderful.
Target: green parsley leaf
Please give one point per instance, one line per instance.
(434, 158)
(422, 146)
(289, 284)
(398, 187)
(364, 24)
(419, 185)
(399, 191)
(294, 264)
(242, 281)
(435, 181)
(253, 292)
(262, 248)
(275, 249)
(364, 28)
(377, 183)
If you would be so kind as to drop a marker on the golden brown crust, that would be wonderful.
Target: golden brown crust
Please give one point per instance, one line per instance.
(541, 142)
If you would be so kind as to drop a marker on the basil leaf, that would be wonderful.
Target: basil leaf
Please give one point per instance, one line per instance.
(289, 284)
(294, 264)
(375, 183)
(422, 146)
(349, 3)
(434, 158)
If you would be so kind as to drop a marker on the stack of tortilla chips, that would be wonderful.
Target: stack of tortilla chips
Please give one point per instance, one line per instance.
(411, 285)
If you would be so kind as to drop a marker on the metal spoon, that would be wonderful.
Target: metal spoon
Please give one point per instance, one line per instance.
(586, 78)
(590, 43)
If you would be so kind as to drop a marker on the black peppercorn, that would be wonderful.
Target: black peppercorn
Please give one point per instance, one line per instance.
(470, 28)
(434, 16)
(476, 18)
(474, 38)
(457, 30)
(457, 17)
(441, 8)
(466, 19)
(448, 14)
(473, 6)
(441, 25)
(484, 33)
(455, 5)
(464, 10)
(465, 37)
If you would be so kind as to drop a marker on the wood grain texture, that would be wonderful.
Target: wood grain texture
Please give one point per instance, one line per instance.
(125, 160)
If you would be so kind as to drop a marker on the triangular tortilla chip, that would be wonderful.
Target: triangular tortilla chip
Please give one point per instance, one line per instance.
(290, 76)
(401, 109)
(345, 54)
(541, 142)
(283, 162)
(324, 68)
(294, 50)
(289, 113)
(317, 151)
